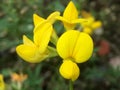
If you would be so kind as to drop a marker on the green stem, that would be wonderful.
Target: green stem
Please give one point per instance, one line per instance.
(19, 85)
(71, 85)
(54, 38)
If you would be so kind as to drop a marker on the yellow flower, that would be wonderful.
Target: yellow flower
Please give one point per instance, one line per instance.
(36, 50)
(2, 84)
(75, 46)
(51, 19)
(89, 28)
(91, 25)
(70, 16)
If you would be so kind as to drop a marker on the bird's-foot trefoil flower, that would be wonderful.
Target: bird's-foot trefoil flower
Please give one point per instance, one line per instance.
(36, 50)
(75, 47)
(51, 19)
(70, 17)
(91, 25)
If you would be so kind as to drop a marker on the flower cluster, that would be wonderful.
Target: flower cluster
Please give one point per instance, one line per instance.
(72, 46)
(92, 23)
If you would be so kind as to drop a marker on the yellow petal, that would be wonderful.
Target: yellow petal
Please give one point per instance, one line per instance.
(80, 20)
(52, 17)
(70, 12)
(96, 24)
(71, 24)
(2, 84)
(62, 19)
(83, 48)
(66, 44)
(67, 24)
(69, 70)
(30, 53)
(76, 45)
(88, 22)
(87, 30)
(37, 19)
(27, 41)
(42, 35)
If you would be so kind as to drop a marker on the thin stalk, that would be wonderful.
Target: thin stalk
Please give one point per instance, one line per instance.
(71, 85)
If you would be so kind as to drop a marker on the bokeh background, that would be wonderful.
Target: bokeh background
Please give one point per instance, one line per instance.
(101, 72)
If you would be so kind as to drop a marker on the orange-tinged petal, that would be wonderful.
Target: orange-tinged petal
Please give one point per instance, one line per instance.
(18, 77)
(37, 19)
(69, 70)
(27, 41)
(52, 17)
(83, 48)
(42, 35)
(70, 12)
(30, 53)
(66, 44)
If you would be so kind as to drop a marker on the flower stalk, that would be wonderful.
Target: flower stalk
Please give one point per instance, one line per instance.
(71, 85)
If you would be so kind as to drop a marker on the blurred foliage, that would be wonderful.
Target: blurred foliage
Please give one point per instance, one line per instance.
(98, 73)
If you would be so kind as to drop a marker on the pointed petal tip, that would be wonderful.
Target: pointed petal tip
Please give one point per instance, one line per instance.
(35, 16)
(71, 2)
(37, 19)
(24, 36)
(70, 12)
(57, 12)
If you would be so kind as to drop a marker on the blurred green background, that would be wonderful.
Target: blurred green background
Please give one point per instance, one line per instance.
(101, 72)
